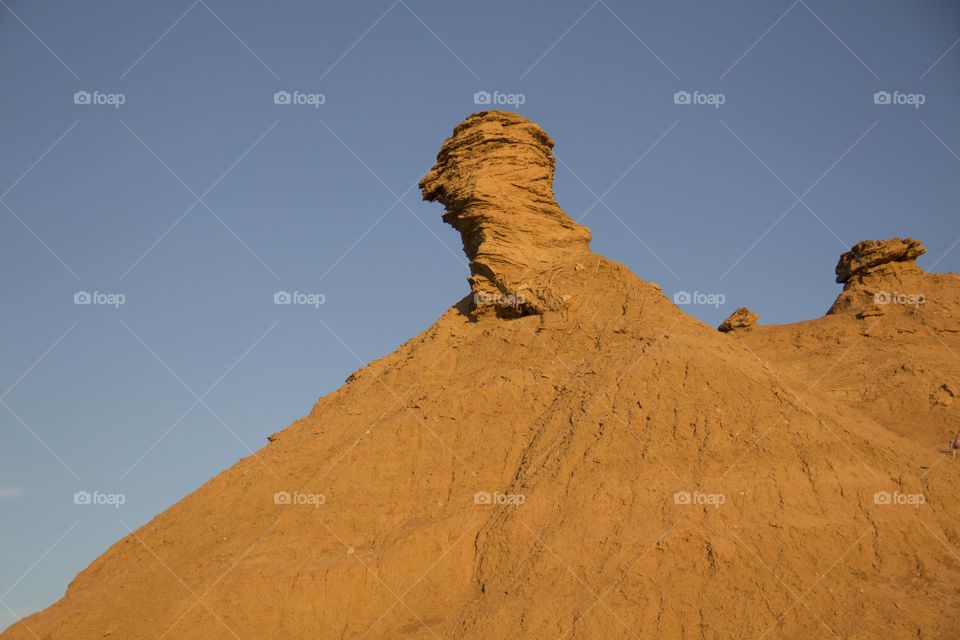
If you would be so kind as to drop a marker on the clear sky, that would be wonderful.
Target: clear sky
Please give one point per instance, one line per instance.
(176, 182)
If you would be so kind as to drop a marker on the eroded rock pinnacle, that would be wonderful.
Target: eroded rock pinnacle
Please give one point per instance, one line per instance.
(494, 175)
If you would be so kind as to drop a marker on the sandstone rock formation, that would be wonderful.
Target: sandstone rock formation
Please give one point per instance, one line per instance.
(600, 465)
(876, 273)
(865, 257)
(740, 319)
(494, 175)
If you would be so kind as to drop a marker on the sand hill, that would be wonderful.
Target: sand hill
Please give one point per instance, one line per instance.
(565, 454)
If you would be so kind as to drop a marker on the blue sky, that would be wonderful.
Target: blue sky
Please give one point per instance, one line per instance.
(146, 161)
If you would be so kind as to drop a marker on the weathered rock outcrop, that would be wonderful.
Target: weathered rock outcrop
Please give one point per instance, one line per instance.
(494, 175)
(876, 273)
(739, 320)
(867, 256)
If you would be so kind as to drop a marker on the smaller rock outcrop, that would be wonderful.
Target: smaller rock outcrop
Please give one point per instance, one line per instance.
(739, 320)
